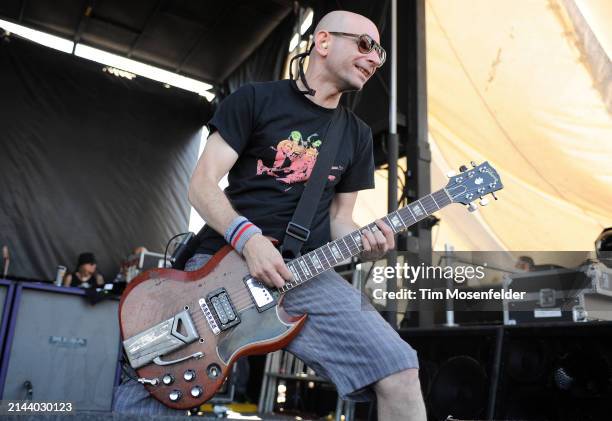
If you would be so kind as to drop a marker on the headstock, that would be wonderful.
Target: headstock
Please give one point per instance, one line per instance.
(474, 183)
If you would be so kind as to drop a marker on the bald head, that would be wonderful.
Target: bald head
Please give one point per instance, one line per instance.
(343, 21)
(337, 58)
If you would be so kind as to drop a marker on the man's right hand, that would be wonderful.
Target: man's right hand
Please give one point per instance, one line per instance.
(265, 262)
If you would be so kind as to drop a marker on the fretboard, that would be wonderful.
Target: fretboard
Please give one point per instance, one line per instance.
(325, 257)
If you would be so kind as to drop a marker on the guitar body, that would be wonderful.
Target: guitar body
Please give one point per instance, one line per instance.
(178, 330)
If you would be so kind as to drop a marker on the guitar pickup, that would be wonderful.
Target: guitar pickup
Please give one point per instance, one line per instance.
(261, 296)
(220, 304)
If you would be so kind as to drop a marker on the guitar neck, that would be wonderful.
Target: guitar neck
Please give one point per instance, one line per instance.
(325, 257)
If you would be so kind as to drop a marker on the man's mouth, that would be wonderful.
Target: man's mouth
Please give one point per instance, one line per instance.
(363, 72)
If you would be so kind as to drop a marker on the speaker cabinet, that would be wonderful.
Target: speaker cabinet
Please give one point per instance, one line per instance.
(457, 368)
(556, 372)
(60, 348)
(6, 299)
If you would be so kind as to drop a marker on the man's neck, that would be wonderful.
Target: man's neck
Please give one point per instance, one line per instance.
(327, 94)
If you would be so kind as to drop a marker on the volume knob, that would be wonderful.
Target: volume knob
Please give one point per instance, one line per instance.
(189, 375)
(196, 391)
(175, 395)
(168, 379)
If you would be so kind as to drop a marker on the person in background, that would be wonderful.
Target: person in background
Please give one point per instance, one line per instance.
(85, 276)
(525, 263)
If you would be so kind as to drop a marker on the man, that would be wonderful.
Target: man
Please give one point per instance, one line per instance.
(85, 275)
(525, 264)
(267, 136)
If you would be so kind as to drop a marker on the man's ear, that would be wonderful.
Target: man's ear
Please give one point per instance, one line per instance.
(322, 41)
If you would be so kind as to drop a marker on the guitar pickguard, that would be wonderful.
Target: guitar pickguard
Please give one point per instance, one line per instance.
(255, 327)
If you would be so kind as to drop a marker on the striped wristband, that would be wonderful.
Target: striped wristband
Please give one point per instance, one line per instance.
(239, 232)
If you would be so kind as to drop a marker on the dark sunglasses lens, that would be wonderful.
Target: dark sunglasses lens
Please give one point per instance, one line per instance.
(365, 44)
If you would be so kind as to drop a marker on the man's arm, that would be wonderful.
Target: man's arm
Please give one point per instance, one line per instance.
(263, 260)
(67, 279)
(375, 244)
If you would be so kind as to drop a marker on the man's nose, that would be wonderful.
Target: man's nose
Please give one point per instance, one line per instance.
(374, 58)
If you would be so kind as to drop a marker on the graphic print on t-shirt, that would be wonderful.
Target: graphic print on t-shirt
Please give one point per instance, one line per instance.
(295, 159)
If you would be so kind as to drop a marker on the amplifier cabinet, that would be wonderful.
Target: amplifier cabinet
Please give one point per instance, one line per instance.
(60, 348)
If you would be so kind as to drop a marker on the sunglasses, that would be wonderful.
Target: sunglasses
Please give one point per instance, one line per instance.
(366, 44)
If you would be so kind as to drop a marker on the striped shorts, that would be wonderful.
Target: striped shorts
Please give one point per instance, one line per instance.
(344, 340)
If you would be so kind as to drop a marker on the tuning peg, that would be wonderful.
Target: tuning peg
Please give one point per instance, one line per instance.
(451, 174)
(472, 207)
(484, 201)
(463, 168)
(493, 194)
(473, 164)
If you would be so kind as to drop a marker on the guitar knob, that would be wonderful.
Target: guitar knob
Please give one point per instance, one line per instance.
(213, 371)
(168, 379)
(175, 395)
(189, 375)
(196, 391)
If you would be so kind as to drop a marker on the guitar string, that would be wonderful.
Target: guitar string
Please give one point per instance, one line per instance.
(241, 299)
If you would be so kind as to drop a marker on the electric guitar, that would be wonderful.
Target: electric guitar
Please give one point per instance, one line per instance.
(182, 331)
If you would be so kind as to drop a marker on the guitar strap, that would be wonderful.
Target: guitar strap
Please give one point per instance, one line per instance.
(298, 230)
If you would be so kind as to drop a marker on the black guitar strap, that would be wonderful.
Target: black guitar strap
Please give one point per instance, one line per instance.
(298, 230)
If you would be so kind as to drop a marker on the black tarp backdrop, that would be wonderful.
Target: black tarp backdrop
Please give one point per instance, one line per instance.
(267, 62)
(89, 161)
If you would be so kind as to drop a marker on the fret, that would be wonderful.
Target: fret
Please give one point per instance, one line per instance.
(336, 252)
(439, 200)
(450, 199)
(369, 227)
(286, 287)
(294, 272)
(417, 210)
(295, 269)
(412, 215)
(310, 266)
(434, 200)
(388, 222)
(315, 262)
(426, 205)
(356, 236)
(325, 257)
(355, 244)
(397, 221)
(348, 249)
(331, 254)
(304, 267)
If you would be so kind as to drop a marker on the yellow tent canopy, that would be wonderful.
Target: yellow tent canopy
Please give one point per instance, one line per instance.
(512, 83)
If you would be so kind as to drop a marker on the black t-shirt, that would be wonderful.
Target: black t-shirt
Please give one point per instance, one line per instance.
(277, 133)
